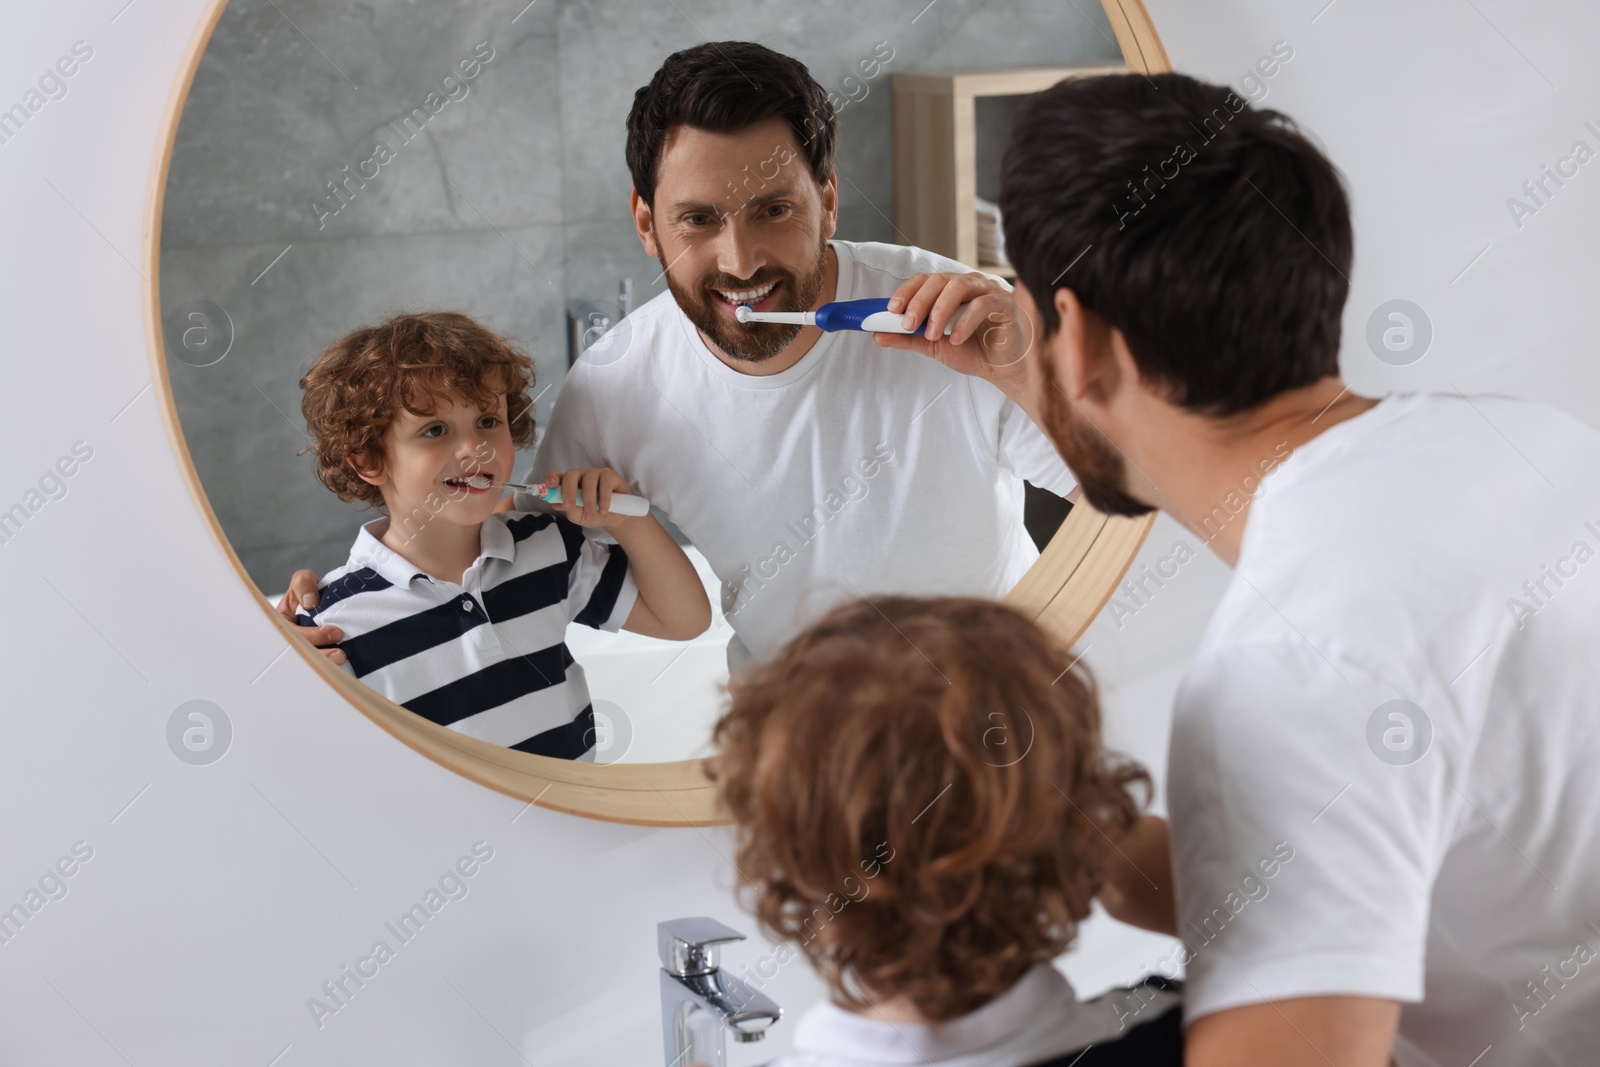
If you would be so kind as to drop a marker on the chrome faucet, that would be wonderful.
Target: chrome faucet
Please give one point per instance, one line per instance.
(699, 1003)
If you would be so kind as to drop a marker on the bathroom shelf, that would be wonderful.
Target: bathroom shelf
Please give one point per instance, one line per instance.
(936, 140)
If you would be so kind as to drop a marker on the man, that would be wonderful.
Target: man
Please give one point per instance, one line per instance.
(1382, 770)
(808, 468)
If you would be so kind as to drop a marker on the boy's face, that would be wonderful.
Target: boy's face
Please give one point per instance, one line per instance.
(431, 455)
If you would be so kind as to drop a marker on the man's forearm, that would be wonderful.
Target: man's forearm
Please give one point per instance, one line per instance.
(1339, 1031)
(1138, 889)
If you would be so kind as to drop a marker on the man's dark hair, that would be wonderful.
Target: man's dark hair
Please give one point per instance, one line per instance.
(725, 87)
(1215, 236)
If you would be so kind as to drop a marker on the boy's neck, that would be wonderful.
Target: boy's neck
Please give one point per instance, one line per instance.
(440, 548)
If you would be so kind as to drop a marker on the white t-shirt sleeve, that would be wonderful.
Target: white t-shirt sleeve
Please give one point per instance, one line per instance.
(1027, 452)
(572, 437)
(1304, 863)
(601, 590)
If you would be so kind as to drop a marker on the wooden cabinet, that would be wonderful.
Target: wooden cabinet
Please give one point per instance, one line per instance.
(936, 151)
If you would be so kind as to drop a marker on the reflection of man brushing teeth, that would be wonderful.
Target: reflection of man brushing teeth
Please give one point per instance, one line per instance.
(691, 402)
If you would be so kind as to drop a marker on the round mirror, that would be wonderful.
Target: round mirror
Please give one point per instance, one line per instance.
(328, 173)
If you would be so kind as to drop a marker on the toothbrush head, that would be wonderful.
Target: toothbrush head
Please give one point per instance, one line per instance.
(479, 481)
(742, 313)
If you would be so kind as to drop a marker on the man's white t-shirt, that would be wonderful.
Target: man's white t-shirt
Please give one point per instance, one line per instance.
(1385, 759)
(858, 471)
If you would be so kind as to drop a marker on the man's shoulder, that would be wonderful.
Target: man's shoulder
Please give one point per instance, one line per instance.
(648, 328)
(899, 262)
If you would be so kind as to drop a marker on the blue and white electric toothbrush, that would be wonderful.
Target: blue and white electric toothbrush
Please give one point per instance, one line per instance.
(872, 316)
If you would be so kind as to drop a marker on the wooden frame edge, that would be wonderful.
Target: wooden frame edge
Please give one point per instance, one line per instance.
(1141, 46)
(1064, 589)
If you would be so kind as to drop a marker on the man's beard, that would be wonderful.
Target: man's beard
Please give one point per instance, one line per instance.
(756, 341)
(1093, 460)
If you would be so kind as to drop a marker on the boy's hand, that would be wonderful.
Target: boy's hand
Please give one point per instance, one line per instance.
(303, 592)
(988, 342)
(595, 486)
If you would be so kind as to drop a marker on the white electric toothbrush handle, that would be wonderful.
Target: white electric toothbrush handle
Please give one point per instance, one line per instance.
(621, 503)
(889, 322)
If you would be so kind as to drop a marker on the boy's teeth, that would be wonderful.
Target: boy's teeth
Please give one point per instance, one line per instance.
(745, 296)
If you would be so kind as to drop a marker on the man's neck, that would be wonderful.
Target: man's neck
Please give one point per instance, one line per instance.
(1204, 472)
(796, 349)
(439, 548)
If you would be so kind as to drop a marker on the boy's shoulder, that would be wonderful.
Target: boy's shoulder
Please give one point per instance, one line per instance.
(362, 572)
(529, 529)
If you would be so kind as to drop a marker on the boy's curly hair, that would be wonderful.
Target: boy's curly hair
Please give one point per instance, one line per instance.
(356, 388)
(921, 800)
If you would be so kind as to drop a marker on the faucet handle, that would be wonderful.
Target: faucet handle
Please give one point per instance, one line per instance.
(688, 946)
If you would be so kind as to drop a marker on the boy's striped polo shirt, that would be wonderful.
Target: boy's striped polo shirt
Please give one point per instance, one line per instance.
(487, 657)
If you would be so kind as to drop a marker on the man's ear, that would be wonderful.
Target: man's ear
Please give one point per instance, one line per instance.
(1087, 368)
(367, 471)
(644, 223)
(830, 205)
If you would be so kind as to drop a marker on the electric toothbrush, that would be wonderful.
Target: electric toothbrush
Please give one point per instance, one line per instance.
(871, 316)
(621, 503)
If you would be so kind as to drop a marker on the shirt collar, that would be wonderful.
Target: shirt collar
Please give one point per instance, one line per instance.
(833, 1031)
(494, 541)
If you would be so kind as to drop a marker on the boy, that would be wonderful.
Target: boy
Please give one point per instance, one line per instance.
(447, 607)
(922, 806)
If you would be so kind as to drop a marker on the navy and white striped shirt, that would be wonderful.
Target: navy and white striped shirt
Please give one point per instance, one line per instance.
(487, 657)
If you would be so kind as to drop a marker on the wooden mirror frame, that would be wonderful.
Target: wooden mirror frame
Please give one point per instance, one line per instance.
(1064, 589)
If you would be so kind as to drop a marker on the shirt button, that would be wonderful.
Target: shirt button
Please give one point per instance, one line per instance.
(466, 605)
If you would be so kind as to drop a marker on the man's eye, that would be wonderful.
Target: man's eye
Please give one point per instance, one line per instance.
(697, 220)
(775, 210)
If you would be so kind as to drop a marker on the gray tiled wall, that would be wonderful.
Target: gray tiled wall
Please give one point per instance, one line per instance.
(510, 201)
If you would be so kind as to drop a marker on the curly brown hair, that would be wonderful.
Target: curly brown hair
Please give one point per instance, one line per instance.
(943, 757)
(356, 388)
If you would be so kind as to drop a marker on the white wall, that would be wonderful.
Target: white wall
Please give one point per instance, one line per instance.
(219, 898)
(1437, 111)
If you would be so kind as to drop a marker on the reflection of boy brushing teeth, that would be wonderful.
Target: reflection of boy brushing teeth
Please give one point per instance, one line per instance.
(448, 607)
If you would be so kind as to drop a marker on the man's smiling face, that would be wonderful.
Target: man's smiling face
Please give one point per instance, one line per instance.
(739, 219)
